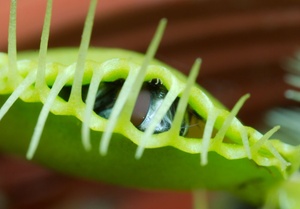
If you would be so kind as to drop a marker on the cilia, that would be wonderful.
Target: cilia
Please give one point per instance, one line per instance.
(125, 118)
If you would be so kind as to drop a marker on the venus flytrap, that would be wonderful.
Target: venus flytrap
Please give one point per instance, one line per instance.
(75, 110)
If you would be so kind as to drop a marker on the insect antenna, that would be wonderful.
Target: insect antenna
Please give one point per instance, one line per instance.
(129, 92)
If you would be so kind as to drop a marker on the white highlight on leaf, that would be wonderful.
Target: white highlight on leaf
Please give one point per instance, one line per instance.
(29, 80)
(59, 83)
(130, 89)
(83, 49)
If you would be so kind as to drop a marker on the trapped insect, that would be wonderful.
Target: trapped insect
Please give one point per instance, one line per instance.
(122, 117)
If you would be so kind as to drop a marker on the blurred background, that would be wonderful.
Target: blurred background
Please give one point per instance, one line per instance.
(244, 44)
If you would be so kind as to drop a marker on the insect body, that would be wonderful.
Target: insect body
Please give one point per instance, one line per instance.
(56, 111)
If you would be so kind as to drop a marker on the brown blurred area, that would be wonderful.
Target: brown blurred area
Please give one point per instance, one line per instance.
(243, 44)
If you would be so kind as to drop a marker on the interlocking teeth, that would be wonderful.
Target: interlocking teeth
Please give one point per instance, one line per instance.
(129, 92)
(165, 106)
(218, 139)
(127, 98)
